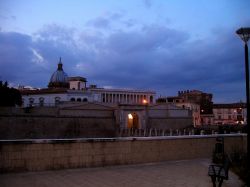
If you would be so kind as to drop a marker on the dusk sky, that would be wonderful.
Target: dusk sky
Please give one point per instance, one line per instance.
(161, 45)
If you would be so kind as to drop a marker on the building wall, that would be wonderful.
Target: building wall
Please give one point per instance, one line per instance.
(91, 95)
(195, 108)
(56, 127)
(56, 122)
(169, 123)
(157, 116)
(125, 96)
(48, 99)
(230, 116)
(35, 155)
(77, 85)
(88, 120)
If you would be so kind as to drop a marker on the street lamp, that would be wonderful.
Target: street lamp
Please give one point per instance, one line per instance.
(244, 34)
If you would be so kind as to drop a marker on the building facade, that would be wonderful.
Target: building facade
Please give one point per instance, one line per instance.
(230, 114)
(198, 102)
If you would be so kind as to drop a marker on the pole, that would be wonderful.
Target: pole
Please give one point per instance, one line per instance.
(248, 110)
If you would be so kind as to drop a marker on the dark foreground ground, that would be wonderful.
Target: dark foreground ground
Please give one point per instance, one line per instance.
(186, 173)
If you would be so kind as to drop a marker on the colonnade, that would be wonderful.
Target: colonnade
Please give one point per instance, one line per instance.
(126, 98)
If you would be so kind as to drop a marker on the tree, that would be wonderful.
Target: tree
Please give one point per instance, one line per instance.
(161, 100)
(9, 96)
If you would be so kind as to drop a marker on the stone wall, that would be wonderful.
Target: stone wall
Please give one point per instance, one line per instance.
(169, 123)
(35, 155)
(22, 127)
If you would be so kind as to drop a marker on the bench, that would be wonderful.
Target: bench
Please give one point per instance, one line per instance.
(219, 172)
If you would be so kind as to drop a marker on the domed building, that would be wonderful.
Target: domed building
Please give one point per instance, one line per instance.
(59, 78)
(64, 89)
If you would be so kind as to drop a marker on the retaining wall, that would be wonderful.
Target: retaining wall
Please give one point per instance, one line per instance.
(35, 155)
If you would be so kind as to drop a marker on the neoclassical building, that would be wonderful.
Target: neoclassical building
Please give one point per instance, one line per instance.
(62, 88)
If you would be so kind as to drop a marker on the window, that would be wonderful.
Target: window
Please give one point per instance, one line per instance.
(57, 100)
(31, 102)
(41, 101)
(151, 99)
(78, 85)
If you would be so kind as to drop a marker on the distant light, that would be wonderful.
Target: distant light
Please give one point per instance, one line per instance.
(144, 101)
(130, 116)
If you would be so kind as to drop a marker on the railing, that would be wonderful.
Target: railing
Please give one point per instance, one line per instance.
(130, 132)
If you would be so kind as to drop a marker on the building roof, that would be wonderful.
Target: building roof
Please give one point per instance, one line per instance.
(83, 79)
(121, 90)
(43, 91)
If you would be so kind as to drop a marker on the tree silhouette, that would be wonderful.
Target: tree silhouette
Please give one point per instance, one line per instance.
(9, 96)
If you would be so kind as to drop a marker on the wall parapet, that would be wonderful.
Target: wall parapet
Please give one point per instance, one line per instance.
(115, 139)
(50, 154)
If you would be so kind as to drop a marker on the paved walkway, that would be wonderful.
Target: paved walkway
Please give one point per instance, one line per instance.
(187, 173)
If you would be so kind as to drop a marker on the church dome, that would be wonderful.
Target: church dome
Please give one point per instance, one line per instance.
(59, 78)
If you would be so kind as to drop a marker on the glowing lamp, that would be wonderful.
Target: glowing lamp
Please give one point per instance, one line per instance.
(130, 116)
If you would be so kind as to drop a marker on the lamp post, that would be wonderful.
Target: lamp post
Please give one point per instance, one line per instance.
(244, 34)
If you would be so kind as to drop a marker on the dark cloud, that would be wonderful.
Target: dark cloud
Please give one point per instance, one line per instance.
(99, 22)
(154, 57)
(15, 55)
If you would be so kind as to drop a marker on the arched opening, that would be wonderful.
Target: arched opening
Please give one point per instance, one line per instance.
(57, 100)
(85, 100)
(72, 99)
(31, 102)
(133, 121)
(79, 99)
(151, 99)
